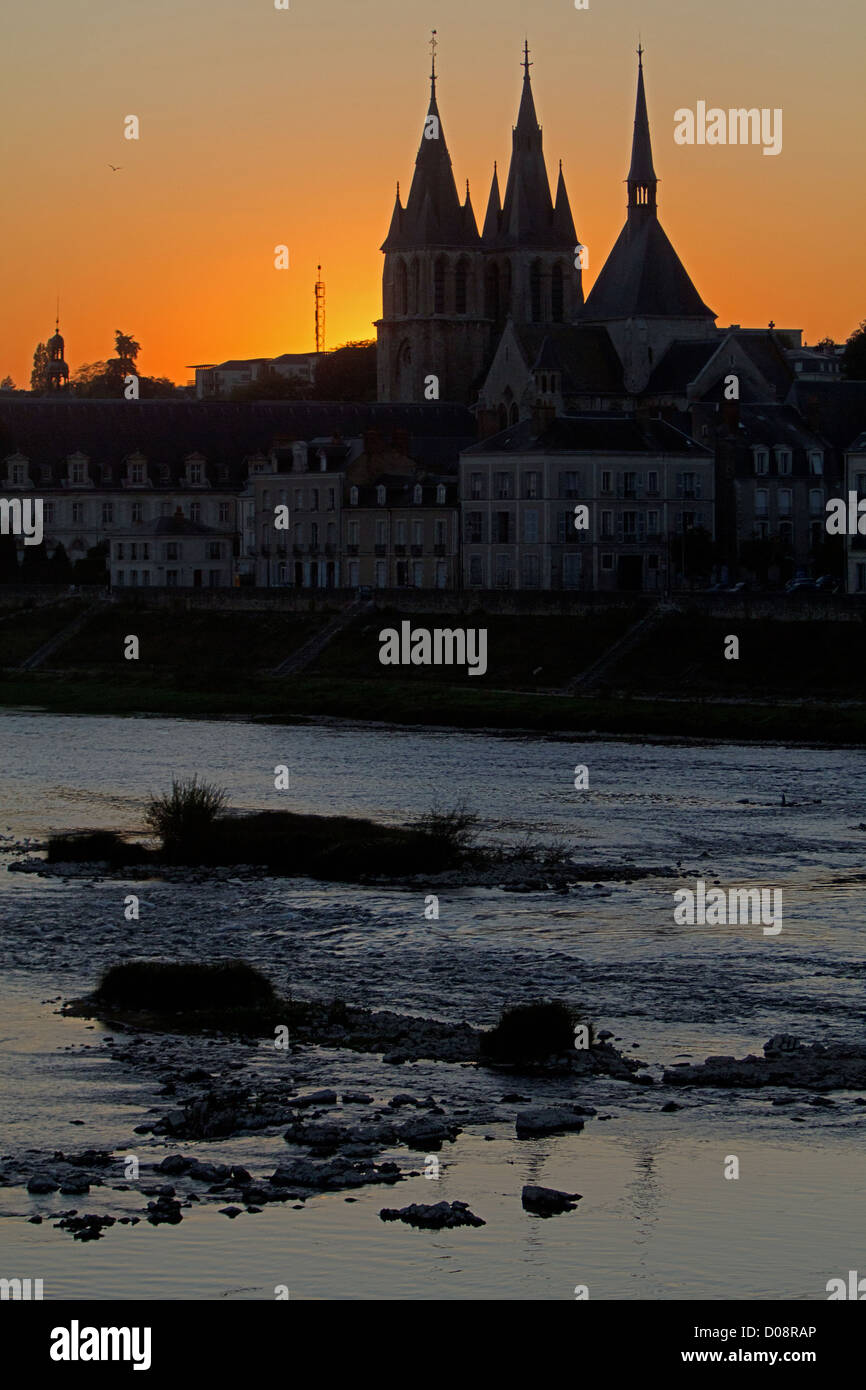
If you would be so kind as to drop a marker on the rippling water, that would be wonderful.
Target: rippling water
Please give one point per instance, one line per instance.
(775, 816)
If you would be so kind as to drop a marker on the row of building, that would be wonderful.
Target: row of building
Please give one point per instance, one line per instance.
(285, 494)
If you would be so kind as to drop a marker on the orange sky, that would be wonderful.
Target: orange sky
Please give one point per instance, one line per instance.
(261, 126)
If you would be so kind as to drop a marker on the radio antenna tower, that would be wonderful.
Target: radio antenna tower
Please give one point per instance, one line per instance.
(320, 313)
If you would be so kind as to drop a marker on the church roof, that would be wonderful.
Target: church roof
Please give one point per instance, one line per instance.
(527, 218)
(582, 353)
(433, 215)
(593, 434)
(643, 277)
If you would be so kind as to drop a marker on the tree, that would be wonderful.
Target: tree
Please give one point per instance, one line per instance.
(127, 350)
(693, 553)
(34, 565)
(7, 384)
(854, 356)
(93, 569)
(39, 380)
(60, 565)
(347, 374)
(9, 571)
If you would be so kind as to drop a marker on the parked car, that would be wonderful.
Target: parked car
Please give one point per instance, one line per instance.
(800, 586)
(828, 583)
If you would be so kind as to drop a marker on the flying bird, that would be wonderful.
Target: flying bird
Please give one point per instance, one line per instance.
(115, 167)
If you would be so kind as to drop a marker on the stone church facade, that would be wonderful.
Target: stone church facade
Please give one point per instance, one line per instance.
(448, 290)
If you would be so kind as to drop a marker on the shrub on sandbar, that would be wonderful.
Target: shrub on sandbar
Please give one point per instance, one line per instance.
(531, 1032)
(184, 986)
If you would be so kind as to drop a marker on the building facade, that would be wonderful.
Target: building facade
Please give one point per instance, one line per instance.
(643, 485)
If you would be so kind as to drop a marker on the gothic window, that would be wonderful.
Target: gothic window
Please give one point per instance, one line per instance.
(402, 288)
(492, 293)
(439, 286)
(415, 287)
(506, 290)
(535, 291)
(557, 293)
(461, 287)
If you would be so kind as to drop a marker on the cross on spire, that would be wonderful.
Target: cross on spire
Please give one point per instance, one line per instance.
(433, 46)
(526, 63)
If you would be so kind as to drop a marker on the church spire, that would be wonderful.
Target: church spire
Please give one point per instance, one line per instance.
(642, 181)
(433, 215)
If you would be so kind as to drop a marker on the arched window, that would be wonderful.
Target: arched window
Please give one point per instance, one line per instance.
(557, 293)
(415, 287)
(535, 291)
(380, 495)
(440, 494)
(353, 496)
(461, 287)
(491, 291)
(439, 286)
(402, 306)
(418, 494)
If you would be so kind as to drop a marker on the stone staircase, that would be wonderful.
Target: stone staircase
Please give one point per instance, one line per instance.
(596, 673)
(309, 650)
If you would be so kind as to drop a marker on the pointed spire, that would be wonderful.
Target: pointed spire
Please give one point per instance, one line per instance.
(527, 127)
(563, 222)
(433, 215)
(494, 210)
(527, 218)
(642, 181)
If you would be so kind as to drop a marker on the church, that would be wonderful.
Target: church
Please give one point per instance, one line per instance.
(448, 290)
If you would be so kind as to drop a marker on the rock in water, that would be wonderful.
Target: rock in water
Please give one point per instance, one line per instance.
(551, 1119)
(433, 1218)
(547, 1201)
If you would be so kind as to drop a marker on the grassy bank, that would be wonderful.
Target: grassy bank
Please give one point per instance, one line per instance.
(462, 707)
(793, 681)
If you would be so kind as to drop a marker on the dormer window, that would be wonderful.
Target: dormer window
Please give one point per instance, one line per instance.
(353, 496)
(19, 474)
(165, 474)
(440, 494)
(783, 460)
(380, 495)
(195, 474)
(816, 463)
(78, 472)
(418, 494)
(762, 461)
(136, 473)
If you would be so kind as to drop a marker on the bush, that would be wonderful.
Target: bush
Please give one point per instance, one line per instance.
(184, 817)
(531, 1032)
(453, 832)
(179, 987)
